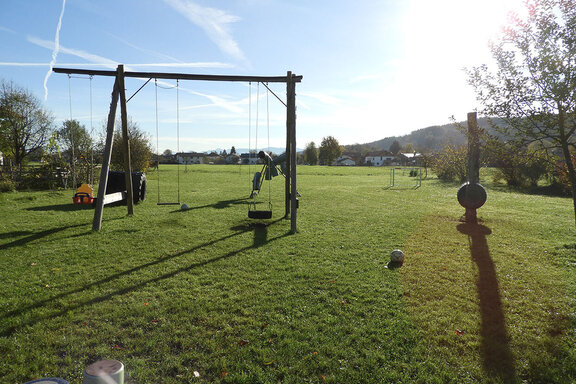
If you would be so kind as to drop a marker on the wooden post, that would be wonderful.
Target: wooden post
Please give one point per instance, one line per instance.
(291, 128)
(287, 172)
(125, 142)
(97, 222)
(473, 169)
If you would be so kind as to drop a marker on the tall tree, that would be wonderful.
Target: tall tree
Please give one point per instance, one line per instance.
(76, 145)
(395, 147)
(25, 126)
(311, 154)
(409, 148)
(330, 150)
(533, 87)
(74, 139)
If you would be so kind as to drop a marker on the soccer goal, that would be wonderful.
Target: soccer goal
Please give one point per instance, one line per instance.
(406, 177)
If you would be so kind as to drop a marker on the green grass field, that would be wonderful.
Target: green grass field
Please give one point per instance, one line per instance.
(207, 296)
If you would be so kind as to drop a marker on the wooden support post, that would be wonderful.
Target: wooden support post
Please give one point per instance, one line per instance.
(291, 128)
(473, 166)
(97, 222)
(287, 172)
(125, 141)
(473, 171)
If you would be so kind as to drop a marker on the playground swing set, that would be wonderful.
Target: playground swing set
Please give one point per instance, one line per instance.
(84, 193)
(159, 201)
(270, 167)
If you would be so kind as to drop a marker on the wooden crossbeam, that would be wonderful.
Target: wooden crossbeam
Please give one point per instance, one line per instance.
(180, 76)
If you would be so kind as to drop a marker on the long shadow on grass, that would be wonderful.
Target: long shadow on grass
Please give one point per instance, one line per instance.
(32, 236)
(61, 207)
(496, 354)
(219, 205)
(260, 239)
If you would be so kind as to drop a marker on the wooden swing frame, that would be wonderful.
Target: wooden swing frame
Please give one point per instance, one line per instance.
(119, 94)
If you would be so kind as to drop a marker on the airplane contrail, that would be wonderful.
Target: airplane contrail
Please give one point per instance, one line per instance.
(55, 51)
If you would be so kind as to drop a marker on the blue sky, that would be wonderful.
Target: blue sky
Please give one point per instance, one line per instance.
(371, 68)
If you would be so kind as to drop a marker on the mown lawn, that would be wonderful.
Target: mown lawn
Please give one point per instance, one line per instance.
(206, 295)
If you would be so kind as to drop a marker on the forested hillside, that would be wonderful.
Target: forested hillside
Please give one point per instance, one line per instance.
(424, 140)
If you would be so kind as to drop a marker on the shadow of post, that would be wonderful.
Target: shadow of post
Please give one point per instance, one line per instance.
(496, 354)
(260, 235)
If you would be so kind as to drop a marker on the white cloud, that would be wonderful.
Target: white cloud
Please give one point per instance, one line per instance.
(214, 22)
(74, 52)
(6, 30)
(214, 64)
(55, 51)
(324, 98)
(362, 78)
(15, 64)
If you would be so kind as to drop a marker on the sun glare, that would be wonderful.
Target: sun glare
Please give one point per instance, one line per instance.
(455, 27)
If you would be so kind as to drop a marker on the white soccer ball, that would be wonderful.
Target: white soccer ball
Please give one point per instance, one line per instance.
(397, 256)
(184, 207)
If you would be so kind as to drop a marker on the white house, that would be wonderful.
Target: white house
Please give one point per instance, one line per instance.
(411, 158)
(345, 160)
(232, 159)
(249, 158)
(190, 158)
(379, 158)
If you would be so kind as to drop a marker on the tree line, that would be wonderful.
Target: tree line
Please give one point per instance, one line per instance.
(67, 154)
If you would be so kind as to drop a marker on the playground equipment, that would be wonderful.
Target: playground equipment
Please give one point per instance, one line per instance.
(119, 94)
(472, 195)
(86, 167)
(158, 201)
(270, 169)
(116, 190)
(84, 195)
(406, 177)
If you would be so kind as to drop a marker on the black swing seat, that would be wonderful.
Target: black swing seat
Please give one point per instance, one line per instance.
(260, 215)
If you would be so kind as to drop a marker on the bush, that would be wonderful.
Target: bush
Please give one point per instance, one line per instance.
(563, 181)
(450, 163)
(140, 148)
(7, 185)
(518, 165)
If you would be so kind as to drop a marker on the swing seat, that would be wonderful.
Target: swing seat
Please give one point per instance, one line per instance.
(260, 215)
(82, 198)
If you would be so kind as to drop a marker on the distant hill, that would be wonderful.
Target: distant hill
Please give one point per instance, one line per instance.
(428, 139)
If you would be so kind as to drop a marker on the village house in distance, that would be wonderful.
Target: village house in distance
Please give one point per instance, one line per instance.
(379, 159)
(374, 159)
